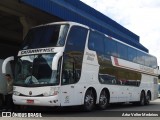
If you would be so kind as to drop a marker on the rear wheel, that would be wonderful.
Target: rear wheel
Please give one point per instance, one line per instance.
(148, 98)
(103, 100)
(89, 100)
(142, 99)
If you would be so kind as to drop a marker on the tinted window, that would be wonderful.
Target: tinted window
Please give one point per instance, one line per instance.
(45, 36)
(148, 60)
(68, 71)
(127, 77)
(107, 79)
(122, 51)
(132, 54)
(71, 70)
(76, 39)
(96, 42)
(73, 55)
(140, 58)
(110, 47)
(153, 62)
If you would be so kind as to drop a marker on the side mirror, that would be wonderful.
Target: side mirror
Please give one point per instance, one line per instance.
(55, 60)
(5, 63)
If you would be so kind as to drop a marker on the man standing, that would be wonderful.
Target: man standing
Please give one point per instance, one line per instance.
(8, 97)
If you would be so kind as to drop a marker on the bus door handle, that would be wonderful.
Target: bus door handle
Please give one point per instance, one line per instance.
(72, 86)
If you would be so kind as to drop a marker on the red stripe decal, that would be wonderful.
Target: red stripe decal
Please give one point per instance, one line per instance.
(116, 61)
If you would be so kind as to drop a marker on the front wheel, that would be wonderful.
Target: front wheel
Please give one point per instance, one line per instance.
(89, 101)
(103, 100)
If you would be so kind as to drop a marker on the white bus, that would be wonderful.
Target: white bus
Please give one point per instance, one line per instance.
(69, 64)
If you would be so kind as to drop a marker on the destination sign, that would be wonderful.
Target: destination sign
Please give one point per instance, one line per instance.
(36, 51)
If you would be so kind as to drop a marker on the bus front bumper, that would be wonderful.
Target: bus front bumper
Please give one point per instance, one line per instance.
(36, 101)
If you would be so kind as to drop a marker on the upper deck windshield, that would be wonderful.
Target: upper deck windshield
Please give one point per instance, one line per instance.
(46, 36)
(36, 70)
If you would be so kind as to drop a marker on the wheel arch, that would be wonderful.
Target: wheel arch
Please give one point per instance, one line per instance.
(143, 92)
(94, 92)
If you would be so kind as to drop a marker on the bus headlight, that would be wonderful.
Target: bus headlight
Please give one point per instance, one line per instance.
(45, 94)
(16, 93)
(54, 91)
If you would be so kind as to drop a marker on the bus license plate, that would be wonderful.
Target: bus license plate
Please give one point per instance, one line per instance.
(30, 101)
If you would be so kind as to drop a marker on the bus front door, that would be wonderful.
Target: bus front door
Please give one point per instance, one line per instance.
(67, 95)
(68, 81)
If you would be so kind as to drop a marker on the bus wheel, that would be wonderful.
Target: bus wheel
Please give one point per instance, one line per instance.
(103, 100)
(147, 101)
(142, 99)
(89, 100)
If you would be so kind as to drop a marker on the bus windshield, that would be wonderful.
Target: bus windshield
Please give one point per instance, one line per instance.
(45, 36)
(35, 70)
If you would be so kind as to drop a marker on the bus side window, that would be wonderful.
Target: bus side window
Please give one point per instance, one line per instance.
(140, 58)
(76, 39)
(74, 51)
(110, 47)
(65, 77)
(132, 54)
(122, 51)
(68, 73)
(96, 42)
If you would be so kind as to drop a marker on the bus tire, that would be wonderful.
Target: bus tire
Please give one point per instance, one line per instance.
(148, 98)
(103, 100)
(142, 99)
(89, 100)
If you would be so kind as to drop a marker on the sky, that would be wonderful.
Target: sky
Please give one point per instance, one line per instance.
(142, 17)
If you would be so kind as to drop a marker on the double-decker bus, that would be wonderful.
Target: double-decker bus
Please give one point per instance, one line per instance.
(69, 64)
